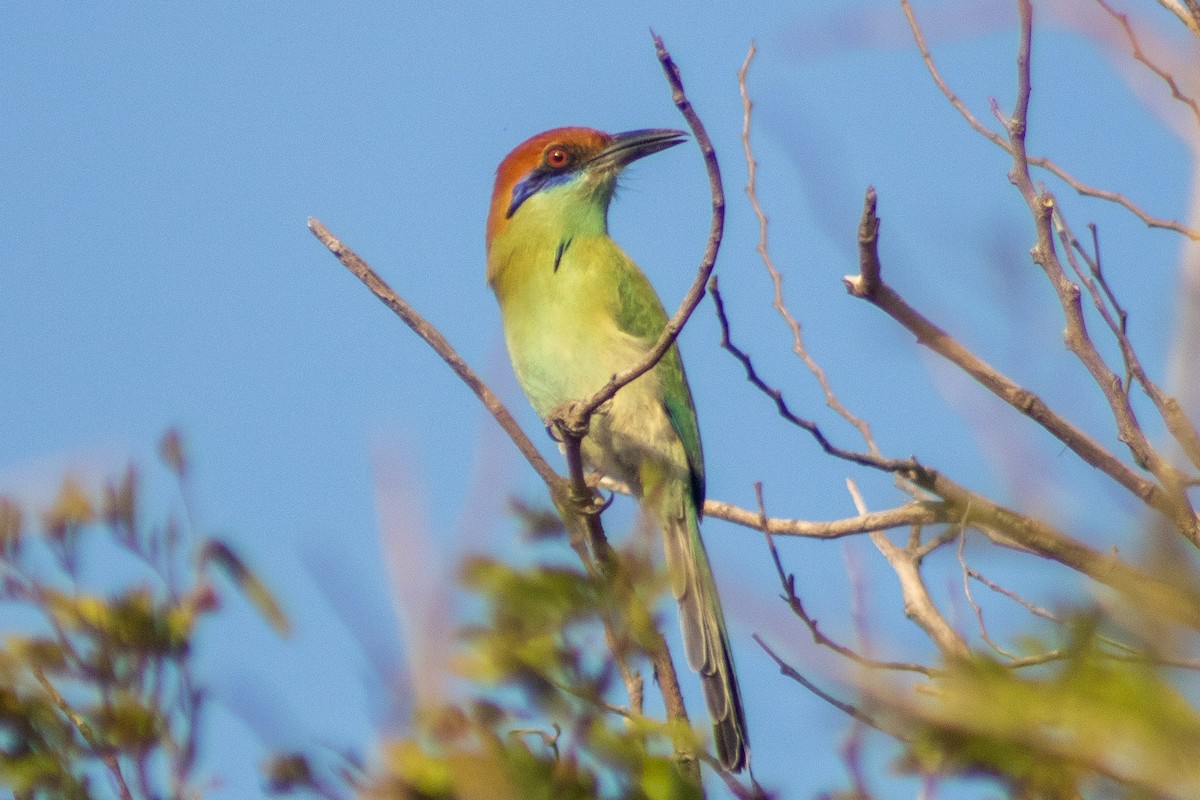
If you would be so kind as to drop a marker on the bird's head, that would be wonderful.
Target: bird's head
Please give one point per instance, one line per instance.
(568, 174)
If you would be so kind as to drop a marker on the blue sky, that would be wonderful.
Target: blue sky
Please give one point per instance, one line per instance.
(160, 164)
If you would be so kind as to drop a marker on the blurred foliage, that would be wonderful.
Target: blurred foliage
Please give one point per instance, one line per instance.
(1088, 721)
(543, 723)
(97, 695)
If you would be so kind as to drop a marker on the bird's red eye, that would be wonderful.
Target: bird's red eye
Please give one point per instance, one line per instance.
(557, 157)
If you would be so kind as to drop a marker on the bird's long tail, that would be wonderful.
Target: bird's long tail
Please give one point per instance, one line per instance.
(703, 623)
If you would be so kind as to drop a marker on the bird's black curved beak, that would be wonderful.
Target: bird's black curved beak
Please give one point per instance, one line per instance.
(627, 147)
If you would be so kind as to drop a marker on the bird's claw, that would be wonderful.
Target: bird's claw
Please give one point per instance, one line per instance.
(565, 422)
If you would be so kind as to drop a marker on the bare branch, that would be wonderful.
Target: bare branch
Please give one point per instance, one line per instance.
(1004, 525)
(798, 346)
(1168, 407)
(846, 708)
(915, 513)
(1188, 17)
(983, 631)
(1170, 497)
(1037, 161)
(865, 459)
(789, 596)
(434, 338)
(575, 500)
(869, 285)
(1139, 55)
(918, 605)
(1028, 533)
(575, 418)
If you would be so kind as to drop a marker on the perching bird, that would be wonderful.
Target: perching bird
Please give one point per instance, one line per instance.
(577, 310)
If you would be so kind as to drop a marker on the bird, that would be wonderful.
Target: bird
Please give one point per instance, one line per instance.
(577, 310)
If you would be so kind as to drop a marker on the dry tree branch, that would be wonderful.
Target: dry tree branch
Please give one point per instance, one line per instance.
(869, 285)
(575, 418)
(1180, 427)
(1171, 499)
(789, 596)
(1037, 161)
(865, 459)
(571, 422)
(1004, 525)
(914, 513)
(947, 535)
(580, 512)
(798, 346)
(1012, 529)
(1140, 55)
(918, 605)
(434, 338)
(983, 631)
(1126, 652)
(1029, 606)
(848, 709)
(1188, 16)
(573, 496)
(1103, 298)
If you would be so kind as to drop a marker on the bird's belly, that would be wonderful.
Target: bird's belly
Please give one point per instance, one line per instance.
(627, 431)
(631, 432)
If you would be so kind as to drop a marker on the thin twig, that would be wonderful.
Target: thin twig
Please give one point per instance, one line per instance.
(869, 285)
(1004, 525)
(577, 505)
(983, 631)
(798, 346)
(576, 417)
(917, 513)
(434, 338)
(574, 498)
(865, 459)
(914, 513)
(1189, 18)
(789, 596)
(1170, 497)
(846, 708)
(1177, 422)
(1140, 55)
(1037, 161)
(918, 605)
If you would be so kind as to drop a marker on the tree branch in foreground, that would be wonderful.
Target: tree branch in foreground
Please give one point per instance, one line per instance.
(580, 514)
(575, 417)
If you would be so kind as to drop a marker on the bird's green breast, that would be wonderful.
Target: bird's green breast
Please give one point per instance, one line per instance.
(557, 298)
(576, 311)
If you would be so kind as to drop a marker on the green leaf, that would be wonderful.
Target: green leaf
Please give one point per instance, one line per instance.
(222, 556)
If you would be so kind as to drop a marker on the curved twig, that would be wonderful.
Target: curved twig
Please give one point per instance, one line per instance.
(581, 411)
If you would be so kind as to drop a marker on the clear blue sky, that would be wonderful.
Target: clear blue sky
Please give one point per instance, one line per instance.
(160, 162)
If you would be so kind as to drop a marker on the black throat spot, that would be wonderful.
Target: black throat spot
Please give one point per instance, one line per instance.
(558, 253)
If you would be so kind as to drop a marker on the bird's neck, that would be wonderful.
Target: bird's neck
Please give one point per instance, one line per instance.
(535, 239)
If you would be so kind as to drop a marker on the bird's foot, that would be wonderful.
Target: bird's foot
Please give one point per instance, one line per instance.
(567, 423)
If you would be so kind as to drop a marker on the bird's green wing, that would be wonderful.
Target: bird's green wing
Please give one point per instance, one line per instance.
(640, 313)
